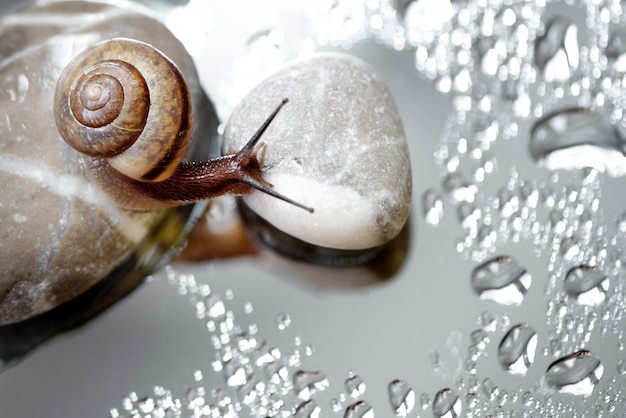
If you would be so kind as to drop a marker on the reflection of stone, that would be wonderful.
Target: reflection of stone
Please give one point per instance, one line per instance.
(557, 52)
(59, 233)
(578, 137)
(338, 146)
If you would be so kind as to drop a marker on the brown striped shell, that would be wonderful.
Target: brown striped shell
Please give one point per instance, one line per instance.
(123, 100)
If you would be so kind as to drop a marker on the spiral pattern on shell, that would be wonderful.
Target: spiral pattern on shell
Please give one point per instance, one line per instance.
(123, 100)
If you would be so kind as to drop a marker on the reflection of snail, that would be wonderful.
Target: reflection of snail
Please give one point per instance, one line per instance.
(125, 101)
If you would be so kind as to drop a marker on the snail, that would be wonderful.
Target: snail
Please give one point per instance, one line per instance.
(124, 101)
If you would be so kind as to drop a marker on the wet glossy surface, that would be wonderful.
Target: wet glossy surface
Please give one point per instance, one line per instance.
(264, 336)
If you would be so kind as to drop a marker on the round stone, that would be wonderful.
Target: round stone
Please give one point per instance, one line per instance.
(60, 232)
(337, 146)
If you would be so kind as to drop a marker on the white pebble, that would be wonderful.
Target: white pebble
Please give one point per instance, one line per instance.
(338, 146)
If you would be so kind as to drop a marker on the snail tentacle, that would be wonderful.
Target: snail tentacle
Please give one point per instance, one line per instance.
(247, 152)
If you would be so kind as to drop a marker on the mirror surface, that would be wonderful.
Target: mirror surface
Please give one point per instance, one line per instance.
(511, 295)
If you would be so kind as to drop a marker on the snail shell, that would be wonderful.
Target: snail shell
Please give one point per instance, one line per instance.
(124, 100)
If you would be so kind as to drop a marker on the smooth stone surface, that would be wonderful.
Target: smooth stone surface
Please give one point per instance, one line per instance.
(59, 232)
(338, 146)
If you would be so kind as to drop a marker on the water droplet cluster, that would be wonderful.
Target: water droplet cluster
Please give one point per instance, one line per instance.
(260, 378)
(549, 85)
(533, 141)
(522, 80)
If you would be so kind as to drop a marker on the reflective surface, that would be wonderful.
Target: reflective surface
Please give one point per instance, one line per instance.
(266, 336)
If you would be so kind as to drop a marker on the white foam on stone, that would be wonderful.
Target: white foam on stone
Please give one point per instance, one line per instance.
(342, 218)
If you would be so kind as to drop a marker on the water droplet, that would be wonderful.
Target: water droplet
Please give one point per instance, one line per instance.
(249, 391)
(214, 306)
(616, 50)
(245, 342)
(459, 188)
(248, 307)
(501, 280)
(487, 321)
(447, 404)
(401, 397)
(276, 372)
(426, 15)
(471, 400)
(557, 52)
(587, 285)
(359, 409)
(424, 400)
(479, 339)
(468, 215)
(264, 355)
(234, 373)
(517, 350)
(432, 206)
(490, 389)
(355, 386)
(308, 383)
(490, 59)
(575, 138)
(577, 373)
(434, 359)
(508, 202)
(283, 320)
(19, 87)
(308, 409)
(570, 248)
(146, 405)
(502, 398)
